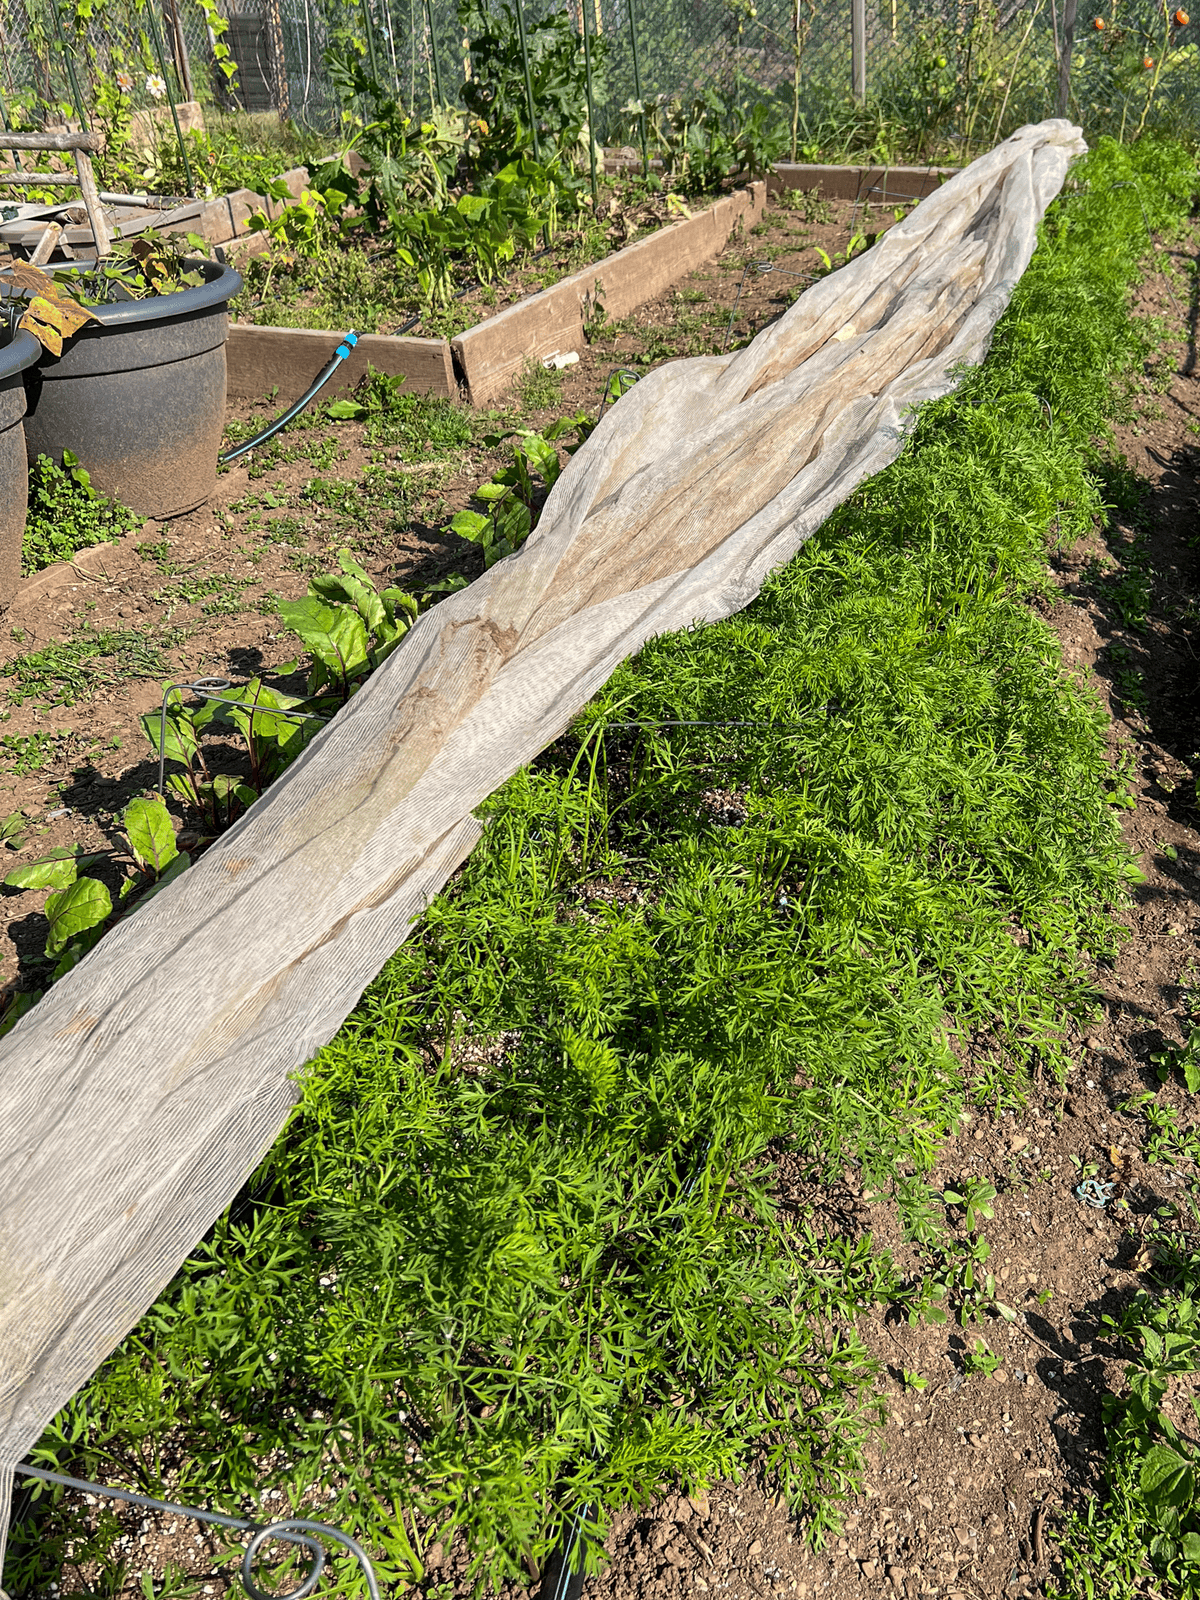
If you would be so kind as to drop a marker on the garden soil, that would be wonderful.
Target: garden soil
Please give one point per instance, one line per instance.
(200, 590)
(966, 1484)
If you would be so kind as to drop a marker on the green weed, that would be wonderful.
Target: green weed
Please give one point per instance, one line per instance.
(427, 426)
(22, 753)
(979, 1359)
(64, 673)
(537, 388)
(1145, 1526)
(67, 515)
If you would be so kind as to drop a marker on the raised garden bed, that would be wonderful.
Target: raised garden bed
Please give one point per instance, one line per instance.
(485, 359)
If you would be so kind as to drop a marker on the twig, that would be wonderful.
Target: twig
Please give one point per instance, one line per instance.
(696, 1544)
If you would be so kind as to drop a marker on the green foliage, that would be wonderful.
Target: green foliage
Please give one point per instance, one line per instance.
(348, 627)
(78, 907)
(1146, 1525)
(538, 386)
(408, 163)
(976, 1199)
(67, 671)
(67, 515)
(702, 141)
(515, 495)
(425, 425)
(1185, 1059)
(272, 741)
(979, 1359)
(495, 90)
(517, 1251)
(484, 228)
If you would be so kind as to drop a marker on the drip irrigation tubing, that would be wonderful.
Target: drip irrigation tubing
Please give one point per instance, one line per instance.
(289, 1530)
(762, 268)
(341, 354)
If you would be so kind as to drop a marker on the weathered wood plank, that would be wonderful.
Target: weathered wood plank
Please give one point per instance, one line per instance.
(491, 354)
(882, 184)
(289, 359)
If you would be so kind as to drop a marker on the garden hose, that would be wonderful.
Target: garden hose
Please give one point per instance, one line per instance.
(340, 354)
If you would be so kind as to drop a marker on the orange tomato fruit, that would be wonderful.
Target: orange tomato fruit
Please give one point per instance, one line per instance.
(1147, 62)
(1182, 19)
(1099, 24)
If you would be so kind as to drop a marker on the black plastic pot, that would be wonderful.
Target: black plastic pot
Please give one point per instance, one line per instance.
(15, 358)
(139, 396)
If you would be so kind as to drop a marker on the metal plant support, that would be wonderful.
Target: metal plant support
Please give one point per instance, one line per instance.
(300, 1531)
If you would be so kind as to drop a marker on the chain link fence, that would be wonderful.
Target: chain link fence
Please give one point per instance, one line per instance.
(884, 79)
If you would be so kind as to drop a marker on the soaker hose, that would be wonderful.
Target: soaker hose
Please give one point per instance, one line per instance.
(341, 354)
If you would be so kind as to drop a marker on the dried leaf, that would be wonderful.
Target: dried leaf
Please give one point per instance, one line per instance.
(1121, 1161)
(50, 315)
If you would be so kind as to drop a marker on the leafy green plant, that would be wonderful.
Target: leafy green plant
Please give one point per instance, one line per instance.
(977, 1358)
(348, 627)
(78, 907)
(495, 89)
(976, 1199)
(484, 228)
(1147, 1522)
(516, 494)
(518, 1250)
(66, 514)
(1185, 1059)
(810, 203)
(271, 740)
(427, 426)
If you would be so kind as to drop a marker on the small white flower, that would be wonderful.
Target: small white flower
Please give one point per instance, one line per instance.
(156, 86)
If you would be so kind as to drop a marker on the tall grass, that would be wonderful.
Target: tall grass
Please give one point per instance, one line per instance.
(517, 1250)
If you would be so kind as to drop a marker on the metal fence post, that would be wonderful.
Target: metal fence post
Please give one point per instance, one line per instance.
(587, 67)
(520, 5)
(1064, 59)
(433, 51)
(162, 67)
(858, 48)
(69, 63)
(637, 87)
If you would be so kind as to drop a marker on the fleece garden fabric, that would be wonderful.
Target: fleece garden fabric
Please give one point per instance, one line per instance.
(143, 1089)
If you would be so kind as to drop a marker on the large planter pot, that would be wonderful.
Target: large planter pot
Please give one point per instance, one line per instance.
(139, 396)
(15, 359)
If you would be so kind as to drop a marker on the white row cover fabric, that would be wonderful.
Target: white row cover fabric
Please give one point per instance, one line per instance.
(143, 1089)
